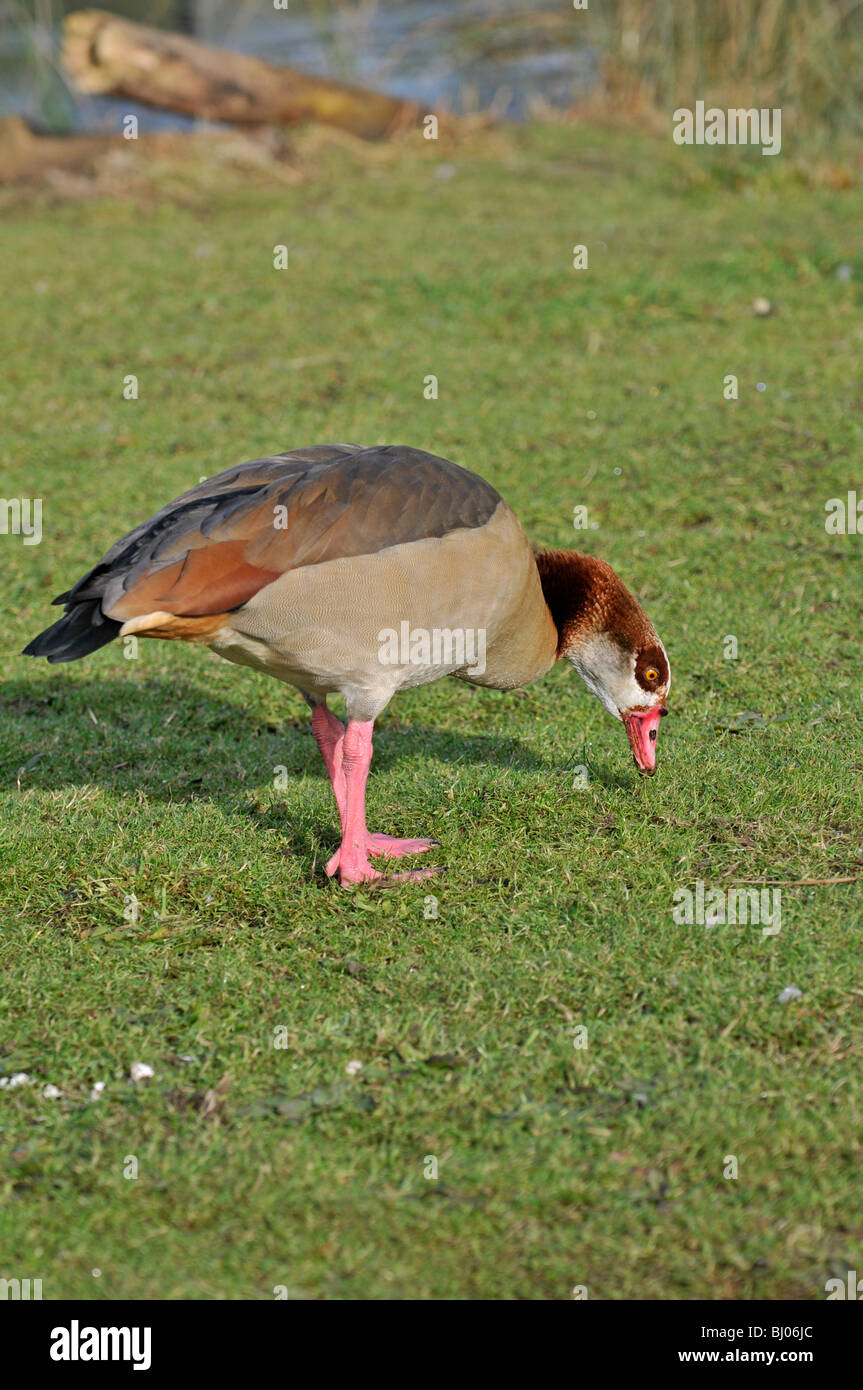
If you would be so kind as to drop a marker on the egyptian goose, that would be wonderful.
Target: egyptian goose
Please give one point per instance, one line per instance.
(360, 572)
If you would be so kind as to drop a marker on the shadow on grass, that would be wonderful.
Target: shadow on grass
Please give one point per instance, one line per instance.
(175, 742)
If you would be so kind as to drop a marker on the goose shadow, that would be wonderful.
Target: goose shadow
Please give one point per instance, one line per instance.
(174, 741)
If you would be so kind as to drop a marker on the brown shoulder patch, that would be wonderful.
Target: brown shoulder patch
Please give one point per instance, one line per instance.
(211, 579)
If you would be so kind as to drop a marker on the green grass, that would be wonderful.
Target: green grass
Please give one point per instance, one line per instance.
(262, 1166)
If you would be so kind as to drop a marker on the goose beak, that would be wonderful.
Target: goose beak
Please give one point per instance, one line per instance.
(642, 727)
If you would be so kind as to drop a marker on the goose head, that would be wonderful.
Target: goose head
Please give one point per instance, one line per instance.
(605, 634)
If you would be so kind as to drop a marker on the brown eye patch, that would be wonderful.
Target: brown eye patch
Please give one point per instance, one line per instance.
(651, 668)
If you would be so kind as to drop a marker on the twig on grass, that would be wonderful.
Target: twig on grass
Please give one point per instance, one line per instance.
(800, 882)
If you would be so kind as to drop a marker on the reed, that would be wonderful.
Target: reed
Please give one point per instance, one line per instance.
(803, 55)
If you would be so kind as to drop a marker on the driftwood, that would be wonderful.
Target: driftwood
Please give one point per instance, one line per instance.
(116, 57)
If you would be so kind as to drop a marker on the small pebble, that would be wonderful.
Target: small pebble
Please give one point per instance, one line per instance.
(52, 1093)
(761, 307)
(789, 992)
(140, 1071)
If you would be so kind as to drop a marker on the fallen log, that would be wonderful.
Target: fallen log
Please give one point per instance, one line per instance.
(116, 57)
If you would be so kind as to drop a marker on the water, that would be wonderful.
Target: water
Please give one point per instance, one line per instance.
(504, 55)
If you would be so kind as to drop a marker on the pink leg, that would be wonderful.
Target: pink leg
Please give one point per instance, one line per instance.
(352, 857)
(329, 735)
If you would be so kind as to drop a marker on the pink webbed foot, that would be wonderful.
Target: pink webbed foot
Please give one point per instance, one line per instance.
(355, 869)
(397, 849)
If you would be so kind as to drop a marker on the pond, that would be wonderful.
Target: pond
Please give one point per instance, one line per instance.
(508, 56)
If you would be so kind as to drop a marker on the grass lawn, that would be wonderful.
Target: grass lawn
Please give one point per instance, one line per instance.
(263, 1165)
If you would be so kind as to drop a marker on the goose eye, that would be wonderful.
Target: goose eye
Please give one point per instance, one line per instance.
(651, 674)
